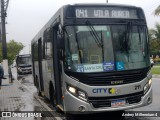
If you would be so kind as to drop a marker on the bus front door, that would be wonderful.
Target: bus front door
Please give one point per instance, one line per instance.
(57, 67)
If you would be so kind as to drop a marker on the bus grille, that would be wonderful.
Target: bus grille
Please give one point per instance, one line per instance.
(104, 80)
(98, 102)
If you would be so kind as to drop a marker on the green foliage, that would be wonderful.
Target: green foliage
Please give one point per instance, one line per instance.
(155, 70)
(13, 48)
(154, 47)
(154, 36)
(157, 11)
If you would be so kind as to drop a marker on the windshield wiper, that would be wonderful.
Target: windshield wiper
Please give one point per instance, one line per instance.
(140, 39)
(94, 34)
(128, 36)
(125, 38)
(98, 40)
(102, 46)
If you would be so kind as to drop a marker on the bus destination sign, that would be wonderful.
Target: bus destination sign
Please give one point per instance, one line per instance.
(110, 12)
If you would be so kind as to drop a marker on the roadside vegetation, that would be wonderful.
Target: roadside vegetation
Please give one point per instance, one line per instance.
(154, 39)
(156, 69)
(13, 48)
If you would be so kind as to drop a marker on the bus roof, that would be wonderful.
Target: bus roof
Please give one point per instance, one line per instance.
(24, 55)
(103, 4)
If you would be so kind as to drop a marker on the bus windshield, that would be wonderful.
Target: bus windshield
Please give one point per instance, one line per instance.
(103, 48)
(24, 60)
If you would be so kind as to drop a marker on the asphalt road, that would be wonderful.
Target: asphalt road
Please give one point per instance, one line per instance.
(27, 81)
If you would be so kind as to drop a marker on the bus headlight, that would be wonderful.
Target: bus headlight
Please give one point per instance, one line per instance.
(72, 90)
(147, 86)
(82, 95)
(77, 92)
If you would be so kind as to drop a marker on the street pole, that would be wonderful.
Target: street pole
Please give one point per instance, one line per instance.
(3, 15)
(0, 34)
(3, 34)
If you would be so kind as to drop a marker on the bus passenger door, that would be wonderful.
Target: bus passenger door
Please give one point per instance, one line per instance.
(57, 67)
(40, 65)
(33, 64)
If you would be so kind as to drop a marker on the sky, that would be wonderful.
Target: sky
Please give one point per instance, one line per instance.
(26, 17)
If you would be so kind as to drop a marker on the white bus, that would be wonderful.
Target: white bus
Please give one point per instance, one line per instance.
(24, 64)
(93, 58)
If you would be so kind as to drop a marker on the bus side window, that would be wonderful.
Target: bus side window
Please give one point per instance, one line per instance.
(35, 50)
(47, 44)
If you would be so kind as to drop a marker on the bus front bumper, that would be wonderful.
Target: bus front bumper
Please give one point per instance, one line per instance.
(74, 105)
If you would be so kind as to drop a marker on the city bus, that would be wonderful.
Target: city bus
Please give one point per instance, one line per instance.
(24, 64)
(93, 58)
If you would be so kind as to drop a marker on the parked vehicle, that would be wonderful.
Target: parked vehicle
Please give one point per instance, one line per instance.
(24, 64)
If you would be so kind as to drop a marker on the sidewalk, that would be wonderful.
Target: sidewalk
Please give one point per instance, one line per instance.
(12, 98)
(10, 95)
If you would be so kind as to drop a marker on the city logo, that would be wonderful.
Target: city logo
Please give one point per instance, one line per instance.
(100, 90)
(106, 90)
(111, 90)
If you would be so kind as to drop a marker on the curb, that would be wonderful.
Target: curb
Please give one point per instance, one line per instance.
(42, 103)
(39, 100)
(35, 96)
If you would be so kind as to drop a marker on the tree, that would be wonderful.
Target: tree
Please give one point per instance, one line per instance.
(156, 33)
(13, 48)
(154, 36)
(157, 11)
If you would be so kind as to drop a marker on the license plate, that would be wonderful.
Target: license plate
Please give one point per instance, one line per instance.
(117, 103)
